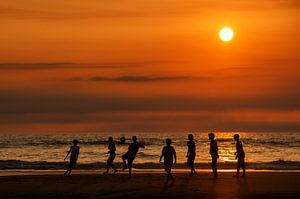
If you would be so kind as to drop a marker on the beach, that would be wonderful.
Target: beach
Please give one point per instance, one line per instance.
(143, 184)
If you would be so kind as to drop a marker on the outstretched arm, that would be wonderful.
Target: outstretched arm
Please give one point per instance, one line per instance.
(141, 145)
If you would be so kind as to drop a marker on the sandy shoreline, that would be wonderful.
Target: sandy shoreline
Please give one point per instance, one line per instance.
(24, 172)
(151, 185)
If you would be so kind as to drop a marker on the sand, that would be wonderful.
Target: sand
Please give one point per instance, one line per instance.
(150, 185)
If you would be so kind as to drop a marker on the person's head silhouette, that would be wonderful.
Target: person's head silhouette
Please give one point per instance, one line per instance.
(211, 136)
(191, 137)
(75, 142)
(134, 138)
(110, 139)
(168, 141)
(236, 137)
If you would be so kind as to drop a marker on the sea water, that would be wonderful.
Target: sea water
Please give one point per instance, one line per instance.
(265, 150)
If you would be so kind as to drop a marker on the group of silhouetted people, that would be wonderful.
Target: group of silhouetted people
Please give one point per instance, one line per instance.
(168, 154)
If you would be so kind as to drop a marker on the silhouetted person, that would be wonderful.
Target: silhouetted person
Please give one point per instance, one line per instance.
(131, 153)
(74, 150)
(191, 153)
(112, 155)
(122, 140)
(239, 155)
(168, 152)
(214, 154)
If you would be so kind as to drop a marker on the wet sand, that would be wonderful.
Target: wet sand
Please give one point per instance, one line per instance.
(150, 185)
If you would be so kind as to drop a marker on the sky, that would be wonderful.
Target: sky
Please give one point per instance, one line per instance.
(149, 66)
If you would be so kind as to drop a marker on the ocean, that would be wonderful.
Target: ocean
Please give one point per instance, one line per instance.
(46, 151)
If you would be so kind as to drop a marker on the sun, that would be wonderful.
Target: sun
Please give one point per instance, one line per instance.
(226, 34)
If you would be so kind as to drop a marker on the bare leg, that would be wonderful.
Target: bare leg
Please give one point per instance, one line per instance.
(130, 171)
(124, 162)
(171, 177)
(244, 169)
(214, 167)
(69, 170)
(193, 171)
(130, 167)
(168, 176)
(107, 170)
(114, 168)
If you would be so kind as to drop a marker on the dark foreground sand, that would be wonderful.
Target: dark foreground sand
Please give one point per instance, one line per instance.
(151, 185)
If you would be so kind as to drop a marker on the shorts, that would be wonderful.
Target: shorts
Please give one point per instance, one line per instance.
(241, 161)
(191, 160)
(73, 162)
(168, 168)
(111, 158)
(128, 157)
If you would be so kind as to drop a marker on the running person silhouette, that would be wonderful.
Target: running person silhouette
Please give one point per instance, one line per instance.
(131, 153)
(112, 155)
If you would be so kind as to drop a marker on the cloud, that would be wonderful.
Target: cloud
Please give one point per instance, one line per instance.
(135, 9)
(139, 78)
(24, 103)
(141, 121)
(121, 112)
(52, 65)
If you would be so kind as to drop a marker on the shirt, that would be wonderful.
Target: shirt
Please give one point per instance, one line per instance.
(134, 148)
(191, 147)
(214, 148)
(168, 153)
(239, 149)
(74, 152)
(112, 147)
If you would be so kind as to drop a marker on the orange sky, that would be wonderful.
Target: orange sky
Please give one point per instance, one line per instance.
(149, 65)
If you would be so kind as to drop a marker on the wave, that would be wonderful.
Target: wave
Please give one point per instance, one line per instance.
(147, 142)
(58, 143)
(43, 165)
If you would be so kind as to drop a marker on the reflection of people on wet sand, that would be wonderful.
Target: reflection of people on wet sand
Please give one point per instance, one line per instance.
(168, 152)
(112, 155)
(240, 156)
(74, 150)
(191, 153)
(214, 154)
(131, 153)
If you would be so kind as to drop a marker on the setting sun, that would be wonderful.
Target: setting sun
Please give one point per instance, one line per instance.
(226, 34)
